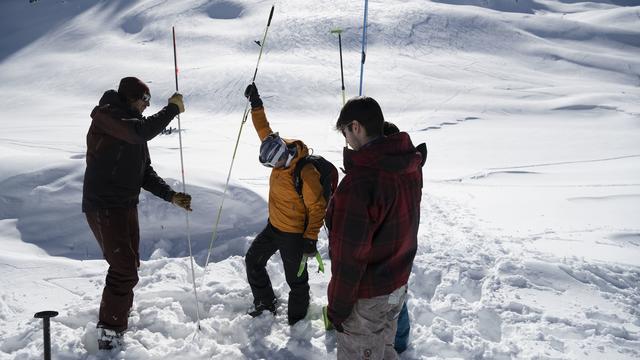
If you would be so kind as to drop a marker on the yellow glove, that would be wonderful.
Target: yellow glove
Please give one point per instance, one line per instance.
(183, 200)
(177, 100)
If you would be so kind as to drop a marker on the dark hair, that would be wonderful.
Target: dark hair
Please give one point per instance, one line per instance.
(364, 109)
(389, 128)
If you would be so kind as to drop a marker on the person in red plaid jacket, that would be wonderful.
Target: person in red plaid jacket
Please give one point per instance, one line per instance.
(373, 220)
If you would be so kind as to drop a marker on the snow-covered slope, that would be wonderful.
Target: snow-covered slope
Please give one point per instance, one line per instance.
(529, 242)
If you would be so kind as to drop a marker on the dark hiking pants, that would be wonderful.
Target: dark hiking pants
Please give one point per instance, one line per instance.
(262, 248)
(117, 233)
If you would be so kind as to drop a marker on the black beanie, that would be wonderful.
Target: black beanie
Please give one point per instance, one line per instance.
(132, 88)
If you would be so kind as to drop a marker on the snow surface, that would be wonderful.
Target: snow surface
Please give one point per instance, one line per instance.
(529, 245)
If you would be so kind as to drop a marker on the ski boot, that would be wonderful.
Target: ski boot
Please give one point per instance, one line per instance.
(260, 307)
(109, 339)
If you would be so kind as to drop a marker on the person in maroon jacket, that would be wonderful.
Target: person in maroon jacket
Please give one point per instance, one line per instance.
(118, 166)
(373, 220)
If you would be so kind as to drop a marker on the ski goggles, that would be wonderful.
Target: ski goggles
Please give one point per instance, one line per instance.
(276, 163)
(273, 151)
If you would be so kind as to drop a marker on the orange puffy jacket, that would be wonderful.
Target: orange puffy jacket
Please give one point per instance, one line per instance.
(287, 210)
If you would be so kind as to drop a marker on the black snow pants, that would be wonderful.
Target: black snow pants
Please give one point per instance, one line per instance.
(117, 233)
(262, 248)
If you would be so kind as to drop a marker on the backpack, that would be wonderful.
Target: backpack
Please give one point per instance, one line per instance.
(328, 175)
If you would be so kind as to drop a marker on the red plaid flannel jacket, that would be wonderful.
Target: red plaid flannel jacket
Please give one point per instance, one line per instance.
(373, 220)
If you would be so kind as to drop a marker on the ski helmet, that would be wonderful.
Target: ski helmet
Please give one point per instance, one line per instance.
(273, 151)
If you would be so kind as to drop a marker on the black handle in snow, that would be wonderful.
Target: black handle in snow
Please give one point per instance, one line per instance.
(271, 15)
(45, 315)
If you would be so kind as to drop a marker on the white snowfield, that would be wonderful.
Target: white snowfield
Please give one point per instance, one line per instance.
(529, 243)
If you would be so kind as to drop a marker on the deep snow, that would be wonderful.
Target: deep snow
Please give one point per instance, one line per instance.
(529, 245)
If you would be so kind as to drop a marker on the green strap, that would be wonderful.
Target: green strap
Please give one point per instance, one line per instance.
(303, 263)
(320, 263)
(327, 323)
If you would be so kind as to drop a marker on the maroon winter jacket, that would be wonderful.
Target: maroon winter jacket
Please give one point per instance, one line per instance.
(118, 162)
(373, 220)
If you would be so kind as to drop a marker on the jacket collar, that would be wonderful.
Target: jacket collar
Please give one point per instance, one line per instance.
(394, 153)
(301, 151)
(113, 104)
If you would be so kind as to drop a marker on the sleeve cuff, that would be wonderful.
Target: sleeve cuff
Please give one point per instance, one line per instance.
(169, 196)
(173, 109)
(337, 326)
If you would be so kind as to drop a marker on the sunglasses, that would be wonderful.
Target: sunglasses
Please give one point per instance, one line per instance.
(146, 98)
(347, 126)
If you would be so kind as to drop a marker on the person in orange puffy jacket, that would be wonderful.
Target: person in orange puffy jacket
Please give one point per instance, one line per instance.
(294, 220)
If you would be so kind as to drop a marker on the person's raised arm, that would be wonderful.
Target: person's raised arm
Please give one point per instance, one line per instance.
(258, 116)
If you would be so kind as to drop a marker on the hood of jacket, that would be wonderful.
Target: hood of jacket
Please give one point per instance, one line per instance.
(395, 154)
(112, 104)
(301, 151)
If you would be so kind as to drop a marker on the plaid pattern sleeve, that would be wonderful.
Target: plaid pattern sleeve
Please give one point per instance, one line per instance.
(350, 246)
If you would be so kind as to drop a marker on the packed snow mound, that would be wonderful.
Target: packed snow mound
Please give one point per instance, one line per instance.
(47, 206)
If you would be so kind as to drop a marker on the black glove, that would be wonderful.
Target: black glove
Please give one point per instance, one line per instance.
(251, 93)
(309, 247)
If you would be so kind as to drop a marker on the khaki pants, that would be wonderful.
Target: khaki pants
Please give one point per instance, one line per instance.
(370, 330)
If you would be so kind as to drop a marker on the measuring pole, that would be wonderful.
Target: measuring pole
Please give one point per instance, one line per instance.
(235, 149)
(364, 45)
(339, 32)
(184, 188)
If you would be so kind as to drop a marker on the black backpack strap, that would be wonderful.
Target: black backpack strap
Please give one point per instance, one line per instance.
(297, 183)
(297, 177)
